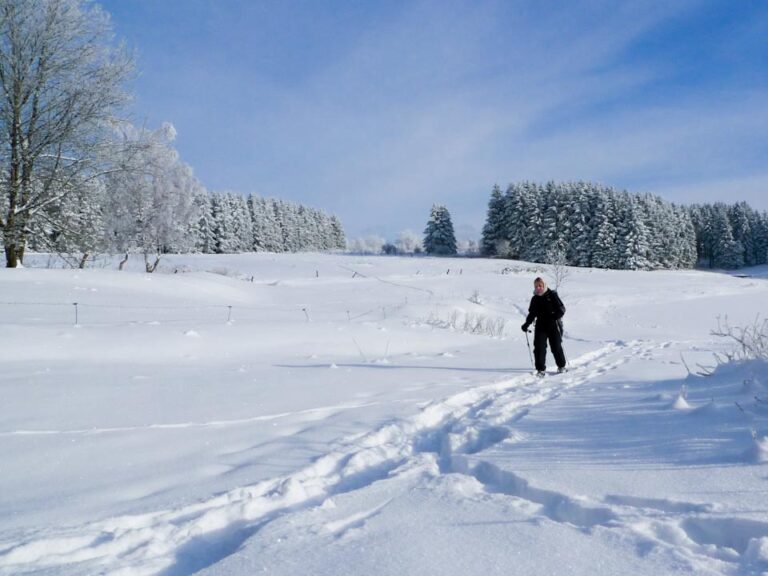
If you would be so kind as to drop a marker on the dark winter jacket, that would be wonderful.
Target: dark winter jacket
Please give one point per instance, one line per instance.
(547, 310)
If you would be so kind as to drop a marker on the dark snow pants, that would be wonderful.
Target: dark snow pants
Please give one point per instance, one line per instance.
(543, 333)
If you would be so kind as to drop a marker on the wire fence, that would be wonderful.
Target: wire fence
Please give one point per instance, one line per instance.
(87, 313)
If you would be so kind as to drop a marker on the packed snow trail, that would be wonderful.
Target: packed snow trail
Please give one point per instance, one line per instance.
(448, 437)
(460, 461)
(154, 543)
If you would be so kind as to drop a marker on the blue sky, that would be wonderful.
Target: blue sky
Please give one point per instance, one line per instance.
(375, 110)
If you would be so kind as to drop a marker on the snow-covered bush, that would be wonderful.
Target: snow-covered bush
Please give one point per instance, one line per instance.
(468, 248)
(469, 323)
(408, 242)
(369, 245)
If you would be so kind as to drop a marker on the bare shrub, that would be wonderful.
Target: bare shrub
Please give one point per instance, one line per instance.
(750, 342)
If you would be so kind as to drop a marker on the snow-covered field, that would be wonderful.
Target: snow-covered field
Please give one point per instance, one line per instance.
(330, 415)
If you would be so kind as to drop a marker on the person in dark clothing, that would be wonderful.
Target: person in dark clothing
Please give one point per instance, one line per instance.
(548, 310)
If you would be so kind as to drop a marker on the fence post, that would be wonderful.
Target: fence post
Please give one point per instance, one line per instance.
(75, 305)
(229, 316)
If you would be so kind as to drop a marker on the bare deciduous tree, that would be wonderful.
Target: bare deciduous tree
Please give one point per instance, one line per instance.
(556, 257)
(61, 83)
(151, 200)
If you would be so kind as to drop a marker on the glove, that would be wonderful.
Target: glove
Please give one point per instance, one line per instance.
(524, 327)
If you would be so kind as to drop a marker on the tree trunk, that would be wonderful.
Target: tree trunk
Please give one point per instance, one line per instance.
(21, 247)
(13, 243)
(11, 258)
(151, 267)
(11, 231)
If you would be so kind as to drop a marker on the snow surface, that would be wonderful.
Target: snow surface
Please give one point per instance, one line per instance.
(329, 414)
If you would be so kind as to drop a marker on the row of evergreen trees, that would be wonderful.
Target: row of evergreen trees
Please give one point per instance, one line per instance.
(730, 236)
(586, 224)
(231, 223)
(208, 222)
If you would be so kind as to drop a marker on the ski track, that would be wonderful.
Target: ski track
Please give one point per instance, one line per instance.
(447, 435)
(308, 414)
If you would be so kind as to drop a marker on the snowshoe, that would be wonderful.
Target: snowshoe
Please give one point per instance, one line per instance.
(540, 374)
(562, 370)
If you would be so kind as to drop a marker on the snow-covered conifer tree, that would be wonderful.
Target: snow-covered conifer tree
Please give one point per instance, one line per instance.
(738, 215)
(439, 238)
(225, 240)
(632, 235)
(241, 223)
(579, 210)
(258, 221)
(727, 252)
(604, 249)
(685, 239)
(337, 234)
(514, 228)
(202, 225)
(492, 230)
(759, 227)
(534, 206)
(554, 226)
(271, 232)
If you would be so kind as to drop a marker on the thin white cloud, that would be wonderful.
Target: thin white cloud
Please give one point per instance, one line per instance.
(438, 101)
(424, 110)
(752, 188)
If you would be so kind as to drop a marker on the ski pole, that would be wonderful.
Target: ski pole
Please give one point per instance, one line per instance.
(530, 355)
(560, 331)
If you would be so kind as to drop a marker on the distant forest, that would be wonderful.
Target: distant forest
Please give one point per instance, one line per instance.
(153, 204)
(211, 223)
(232, 223)
(587, 224)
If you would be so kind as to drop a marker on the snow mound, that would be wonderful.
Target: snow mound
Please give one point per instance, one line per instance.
(758, 452)
(757, 551)
(681, 403)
